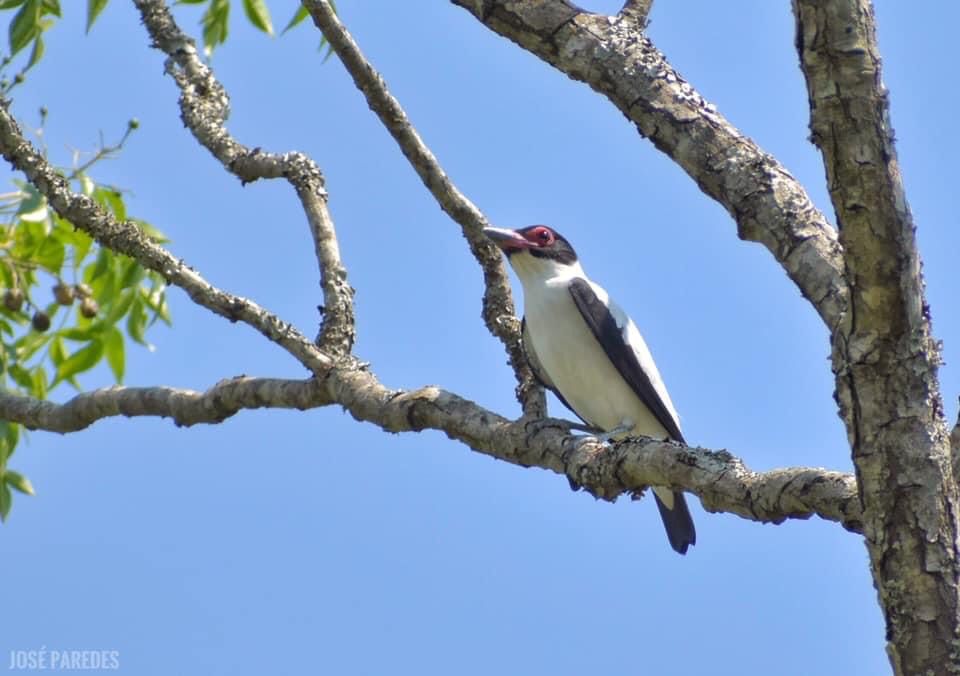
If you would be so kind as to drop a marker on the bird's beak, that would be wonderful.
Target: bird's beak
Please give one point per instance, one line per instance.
(507, 240)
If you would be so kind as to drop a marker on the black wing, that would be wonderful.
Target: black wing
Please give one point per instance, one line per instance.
(538, 371)
(610, 336)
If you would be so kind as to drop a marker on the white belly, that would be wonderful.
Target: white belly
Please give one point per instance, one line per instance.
(579, 368)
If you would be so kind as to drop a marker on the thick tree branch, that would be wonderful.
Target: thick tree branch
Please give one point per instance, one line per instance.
(127, 238)
(498, 308)
(204, 106)
(884, 356)
(769, 205)
(723, 482)
(955, 449)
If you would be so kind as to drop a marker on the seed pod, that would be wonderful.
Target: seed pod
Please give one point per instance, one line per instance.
(63, 293)
(13, 299)
(41, 321)
(89, 308)
(83, 290)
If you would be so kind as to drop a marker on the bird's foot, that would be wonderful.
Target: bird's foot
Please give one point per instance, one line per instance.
(534, 426)
(623, 428)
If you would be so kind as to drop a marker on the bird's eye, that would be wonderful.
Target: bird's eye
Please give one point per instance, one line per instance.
(544, 235)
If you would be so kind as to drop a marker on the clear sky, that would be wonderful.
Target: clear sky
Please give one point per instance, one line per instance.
(285, 542)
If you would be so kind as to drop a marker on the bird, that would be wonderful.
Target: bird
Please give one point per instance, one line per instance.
(587, 351)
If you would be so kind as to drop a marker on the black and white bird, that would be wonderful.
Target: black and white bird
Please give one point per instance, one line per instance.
(585, 349)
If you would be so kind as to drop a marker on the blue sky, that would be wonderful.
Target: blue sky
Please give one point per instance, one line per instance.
(283, 542)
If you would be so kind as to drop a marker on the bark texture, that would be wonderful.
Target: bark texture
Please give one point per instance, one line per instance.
(884, 356)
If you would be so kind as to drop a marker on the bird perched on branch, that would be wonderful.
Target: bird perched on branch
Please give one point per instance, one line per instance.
(585, 349)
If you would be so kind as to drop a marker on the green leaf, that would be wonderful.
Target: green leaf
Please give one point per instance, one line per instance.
(100, 266)
(94, 7)
(80, 361)
(21, 376)
(33, 207)
(66, 233)
(215, 24)
(10, 4)
(18, 481)
(151, 232)
(326, 57)
(9, 436)
(137, 322)
(37, 52)
(301, 14)
(58, 353)
(6, 274)
(156, 300)
(39, 389)
(112, 200)
(29, 343)
(86, 184)
(76, 333)
(50, 255)
(132, 273)
(25, 26)
(113, 346)
(52, 7)
(120, 308)
(6, 500)
(81, 247)
(259, 15)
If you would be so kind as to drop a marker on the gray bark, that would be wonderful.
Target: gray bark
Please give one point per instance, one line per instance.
(884, 357)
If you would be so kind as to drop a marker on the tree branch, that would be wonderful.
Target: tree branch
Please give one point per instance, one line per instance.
(185, 407)
(204, 106)
(127, 238)
(498, 308)
(768, 204)
(723, 482)
(885, 358)
(637, 11)
(955, 448)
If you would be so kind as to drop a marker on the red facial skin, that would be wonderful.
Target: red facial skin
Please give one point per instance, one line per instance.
(533, 237)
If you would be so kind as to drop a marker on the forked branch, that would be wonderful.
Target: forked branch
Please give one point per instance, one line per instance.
(204, 105)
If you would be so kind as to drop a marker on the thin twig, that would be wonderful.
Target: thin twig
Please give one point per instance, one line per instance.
(103, 153)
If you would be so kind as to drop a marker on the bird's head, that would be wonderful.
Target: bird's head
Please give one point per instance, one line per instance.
(535, 252)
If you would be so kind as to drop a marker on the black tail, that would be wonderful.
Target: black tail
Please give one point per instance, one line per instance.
(677, 521)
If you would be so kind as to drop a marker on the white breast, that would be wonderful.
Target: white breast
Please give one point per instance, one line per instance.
(578, 366)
